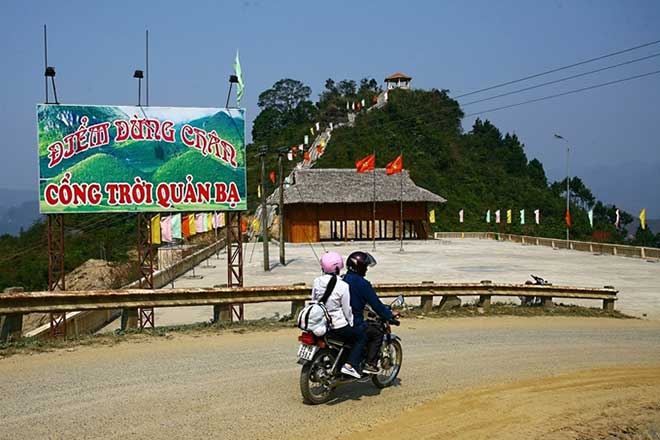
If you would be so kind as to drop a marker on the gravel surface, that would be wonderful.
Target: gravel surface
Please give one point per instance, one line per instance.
(245, 386)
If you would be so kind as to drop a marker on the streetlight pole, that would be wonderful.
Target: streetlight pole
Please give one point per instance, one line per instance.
(568, 186)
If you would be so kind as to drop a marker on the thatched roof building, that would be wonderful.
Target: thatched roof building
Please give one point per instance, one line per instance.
(337, 204)
(348, 186)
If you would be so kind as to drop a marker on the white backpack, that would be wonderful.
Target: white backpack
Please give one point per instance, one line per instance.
(315, 317)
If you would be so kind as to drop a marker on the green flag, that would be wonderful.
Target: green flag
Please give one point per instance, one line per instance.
(239, 74)
(488, 216)
(522, 216)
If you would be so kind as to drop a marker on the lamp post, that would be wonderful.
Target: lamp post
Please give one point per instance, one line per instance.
(138, 74)
(233, 79)
(568, 180)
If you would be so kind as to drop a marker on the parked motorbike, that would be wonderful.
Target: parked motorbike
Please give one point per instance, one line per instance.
(530, 301)
(322, 357)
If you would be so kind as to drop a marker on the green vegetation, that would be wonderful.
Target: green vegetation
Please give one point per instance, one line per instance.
(483, 169)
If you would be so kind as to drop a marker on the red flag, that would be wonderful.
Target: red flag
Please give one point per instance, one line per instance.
(272, 176)
(306, 156)
(396, 166)
(319, 149)
(568, 219)
(366, 164)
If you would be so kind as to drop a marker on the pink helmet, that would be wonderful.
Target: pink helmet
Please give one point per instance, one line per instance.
(332, 263)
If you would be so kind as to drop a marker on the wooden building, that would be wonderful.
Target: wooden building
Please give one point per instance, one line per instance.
(398, 81)
(338, 204)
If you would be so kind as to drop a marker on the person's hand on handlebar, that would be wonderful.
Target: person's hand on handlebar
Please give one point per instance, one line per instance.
(396, 313)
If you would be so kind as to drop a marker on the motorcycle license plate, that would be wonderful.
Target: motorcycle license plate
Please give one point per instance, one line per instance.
(307, 352)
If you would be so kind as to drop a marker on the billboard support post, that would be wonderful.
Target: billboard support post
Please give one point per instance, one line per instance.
(235, 259)
(145, 266)
(56, 268)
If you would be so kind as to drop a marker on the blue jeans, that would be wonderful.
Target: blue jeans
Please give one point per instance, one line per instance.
(357, 338)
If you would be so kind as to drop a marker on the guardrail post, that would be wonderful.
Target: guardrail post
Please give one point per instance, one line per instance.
(608, 305)
(12, 324)
(222, 312)
(546, 302)
(296, 308)
(427, 304)
(642, 252)
(129, 319)
(484, 301)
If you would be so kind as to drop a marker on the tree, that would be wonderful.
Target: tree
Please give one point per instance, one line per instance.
(285, 95)
(347, 87)
(536, 172)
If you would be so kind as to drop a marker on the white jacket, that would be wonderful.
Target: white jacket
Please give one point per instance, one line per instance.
(338, 303)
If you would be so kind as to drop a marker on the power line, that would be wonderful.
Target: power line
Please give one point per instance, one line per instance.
(570, 92)
(513, 92)
(558, 69)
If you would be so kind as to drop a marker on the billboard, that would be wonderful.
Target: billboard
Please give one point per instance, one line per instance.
(130, 159)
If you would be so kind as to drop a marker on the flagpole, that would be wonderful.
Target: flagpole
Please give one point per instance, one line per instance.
(401, 204)
(373, 223)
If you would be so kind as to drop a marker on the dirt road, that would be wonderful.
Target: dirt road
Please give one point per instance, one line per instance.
(548, 378)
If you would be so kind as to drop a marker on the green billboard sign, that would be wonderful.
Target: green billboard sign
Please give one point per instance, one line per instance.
(129, 159)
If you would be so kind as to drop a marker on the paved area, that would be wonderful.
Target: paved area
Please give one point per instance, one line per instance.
(467, 260)
(246, 386)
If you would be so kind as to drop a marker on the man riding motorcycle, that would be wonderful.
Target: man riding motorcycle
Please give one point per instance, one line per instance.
(338, 306)
(361, 294)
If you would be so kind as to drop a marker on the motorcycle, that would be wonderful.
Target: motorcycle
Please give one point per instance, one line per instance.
(530, 301)
(322, 358)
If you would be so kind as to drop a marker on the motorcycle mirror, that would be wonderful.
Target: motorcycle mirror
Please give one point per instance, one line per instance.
(399, 301)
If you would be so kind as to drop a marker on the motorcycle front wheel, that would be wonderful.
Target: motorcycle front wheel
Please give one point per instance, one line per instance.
(390, 364)
(315, 378)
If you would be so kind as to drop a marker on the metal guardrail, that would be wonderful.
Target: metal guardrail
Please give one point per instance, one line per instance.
(65, 301)
(585, 246)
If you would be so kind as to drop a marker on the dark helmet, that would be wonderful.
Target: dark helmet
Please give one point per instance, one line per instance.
(359, 262)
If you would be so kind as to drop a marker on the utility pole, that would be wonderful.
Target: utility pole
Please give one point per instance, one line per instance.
(568, 185)
(280, 157)
(264, 211)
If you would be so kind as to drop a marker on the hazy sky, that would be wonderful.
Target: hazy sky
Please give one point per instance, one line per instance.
(455, 45)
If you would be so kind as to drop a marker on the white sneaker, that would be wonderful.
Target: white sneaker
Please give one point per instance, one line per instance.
(346, 369)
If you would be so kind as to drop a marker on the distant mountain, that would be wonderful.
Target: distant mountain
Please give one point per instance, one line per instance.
(19, 217)
(12, 197)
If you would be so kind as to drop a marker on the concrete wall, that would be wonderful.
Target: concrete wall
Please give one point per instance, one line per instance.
(584, 246)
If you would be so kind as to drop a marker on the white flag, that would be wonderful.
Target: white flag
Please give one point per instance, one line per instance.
(522, 216)
(331, 126)
(353, 106)
(460, 216)
(497, 216)
(306, 139)
(537, 216)
(318, 126)
(362, 102)
(617, 223)
(289, 155)
(591, 217)
(348, 106)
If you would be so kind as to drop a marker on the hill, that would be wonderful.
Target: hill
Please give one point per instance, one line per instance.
(483, 169)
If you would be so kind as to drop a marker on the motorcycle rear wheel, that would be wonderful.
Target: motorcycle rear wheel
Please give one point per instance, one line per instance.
(314, 378)
(390, 363)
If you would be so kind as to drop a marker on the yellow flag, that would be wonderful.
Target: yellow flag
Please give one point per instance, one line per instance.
(255, 226)
(258, 191)
(209, 221)
(432, 216)
(508, 216)
(642, 218)
(311, 130)
(155, 229)
(191, 224)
